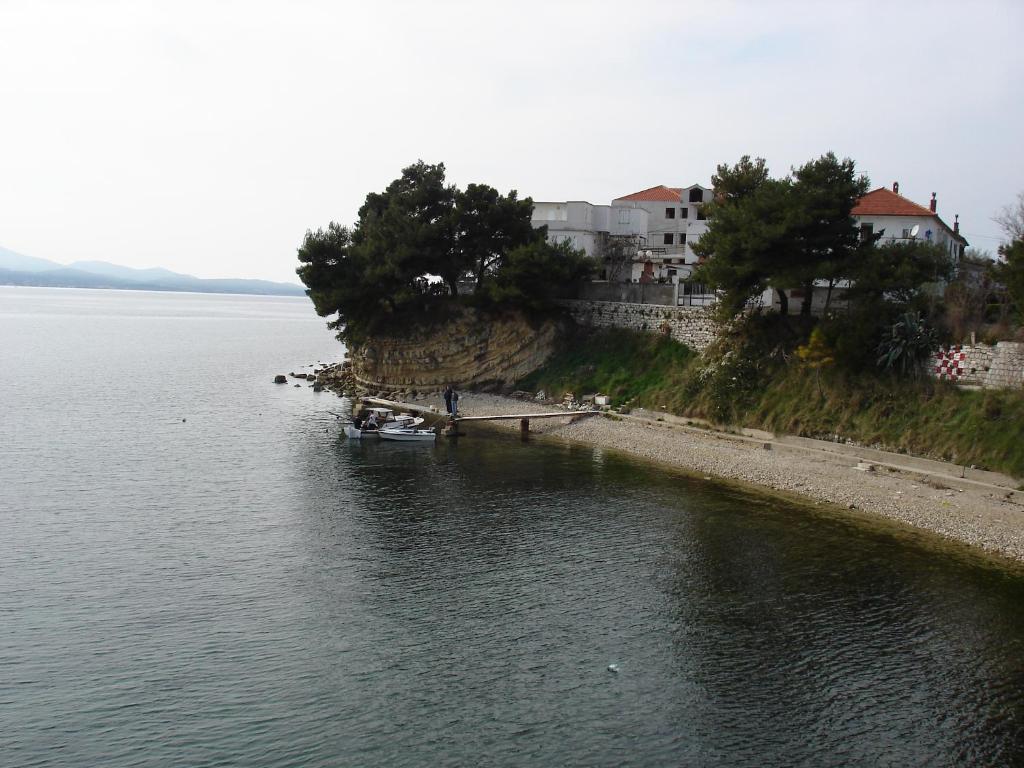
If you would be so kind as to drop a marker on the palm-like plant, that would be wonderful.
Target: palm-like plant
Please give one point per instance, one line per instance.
(906, 345)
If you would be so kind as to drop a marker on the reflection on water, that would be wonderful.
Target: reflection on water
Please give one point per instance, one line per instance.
(249, 588)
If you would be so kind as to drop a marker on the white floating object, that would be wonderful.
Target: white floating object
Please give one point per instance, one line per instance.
(613, 668)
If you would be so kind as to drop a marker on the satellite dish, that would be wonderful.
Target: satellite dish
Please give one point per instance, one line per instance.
(914, 230)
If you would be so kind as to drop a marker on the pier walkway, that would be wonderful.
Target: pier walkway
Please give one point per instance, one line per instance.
(524, 418)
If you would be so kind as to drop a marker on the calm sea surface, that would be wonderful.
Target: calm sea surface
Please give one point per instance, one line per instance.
(197, 569)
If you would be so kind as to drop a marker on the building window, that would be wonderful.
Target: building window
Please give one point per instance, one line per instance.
(682, 238)
(623, 216)
(670, 213)
(696, 195)
(700, 215)
(867, 231)
(684, 213)
(668, 238)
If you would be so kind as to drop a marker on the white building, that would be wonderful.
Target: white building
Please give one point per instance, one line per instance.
(655, 228)
(588, 226)
(675, 222)
(901, 220)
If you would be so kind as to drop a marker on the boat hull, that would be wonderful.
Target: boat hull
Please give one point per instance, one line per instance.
(353, 433)
(408, 435)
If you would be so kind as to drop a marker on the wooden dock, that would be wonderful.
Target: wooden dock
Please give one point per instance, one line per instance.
(524, 418)
(453, 422)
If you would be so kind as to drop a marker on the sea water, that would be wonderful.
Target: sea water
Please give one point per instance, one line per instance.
(196, 568)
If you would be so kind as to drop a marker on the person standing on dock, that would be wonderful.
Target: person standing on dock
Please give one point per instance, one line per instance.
(455, 404)
(448, 399)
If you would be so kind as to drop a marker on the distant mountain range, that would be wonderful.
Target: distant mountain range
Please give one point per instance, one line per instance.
(19, 269)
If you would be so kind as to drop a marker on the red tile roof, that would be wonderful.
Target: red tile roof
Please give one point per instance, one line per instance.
(885, 202)
(660, 192)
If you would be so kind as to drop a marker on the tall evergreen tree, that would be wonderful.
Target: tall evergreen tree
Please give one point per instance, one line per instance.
(826, 240)
(748, 232)
(487, 227)
(780, 233)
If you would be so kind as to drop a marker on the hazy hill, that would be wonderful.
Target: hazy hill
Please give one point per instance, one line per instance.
(19, 269)
(126, 273)
(19, 261)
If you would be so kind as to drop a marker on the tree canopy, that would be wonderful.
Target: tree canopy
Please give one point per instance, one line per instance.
(420, 243)
(1010, 272)
(780, 233)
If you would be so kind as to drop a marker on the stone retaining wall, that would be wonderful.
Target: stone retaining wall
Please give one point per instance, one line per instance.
(692, 326)
(982, 365)
(663, 294)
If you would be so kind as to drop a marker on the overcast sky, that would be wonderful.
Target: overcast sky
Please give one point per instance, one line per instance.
(207, 137)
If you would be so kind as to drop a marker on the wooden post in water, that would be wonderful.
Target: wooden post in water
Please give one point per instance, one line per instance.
(524, 429)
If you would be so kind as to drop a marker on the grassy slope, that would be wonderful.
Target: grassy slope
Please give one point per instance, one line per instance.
(626, 365)
(927, 418)
(924, 418)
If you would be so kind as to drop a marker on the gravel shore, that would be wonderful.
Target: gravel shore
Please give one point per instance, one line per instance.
(980, 517)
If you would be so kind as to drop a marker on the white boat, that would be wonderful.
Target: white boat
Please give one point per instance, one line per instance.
(386, 419)
(407, 434)
(355, 433)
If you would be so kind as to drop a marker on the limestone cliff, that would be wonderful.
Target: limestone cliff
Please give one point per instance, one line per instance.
(467, 351)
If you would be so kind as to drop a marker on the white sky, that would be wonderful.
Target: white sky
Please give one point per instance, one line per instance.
(207, 137)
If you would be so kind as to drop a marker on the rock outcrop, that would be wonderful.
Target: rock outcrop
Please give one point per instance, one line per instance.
(468, 351)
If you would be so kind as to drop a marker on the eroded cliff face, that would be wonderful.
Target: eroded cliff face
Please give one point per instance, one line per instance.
(468, 351)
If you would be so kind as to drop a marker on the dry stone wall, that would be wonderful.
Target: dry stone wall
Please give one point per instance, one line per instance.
(693, 326)
(982, 365)
(467, 351)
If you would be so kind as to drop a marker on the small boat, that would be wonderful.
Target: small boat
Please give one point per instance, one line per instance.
(386, 419)
(407, 434)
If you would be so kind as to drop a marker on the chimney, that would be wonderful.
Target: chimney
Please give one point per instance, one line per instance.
(896, 187)
(956, 224)
(931, 205)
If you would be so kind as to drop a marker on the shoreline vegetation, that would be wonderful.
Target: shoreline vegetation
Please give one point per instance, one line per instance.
(753, 388)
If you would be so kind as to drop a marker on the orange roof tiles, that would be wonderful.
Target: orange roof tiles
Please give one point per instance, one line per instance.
(885, 202)
(660, 192)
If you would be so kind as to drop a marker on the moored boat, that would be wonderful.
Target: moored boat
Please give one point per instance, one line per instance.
(383, 418)
(407, 434)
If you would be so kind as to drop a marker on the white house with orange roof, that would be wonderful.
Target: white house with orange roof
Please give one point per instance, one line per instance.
(897, 219)
(674, 218)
